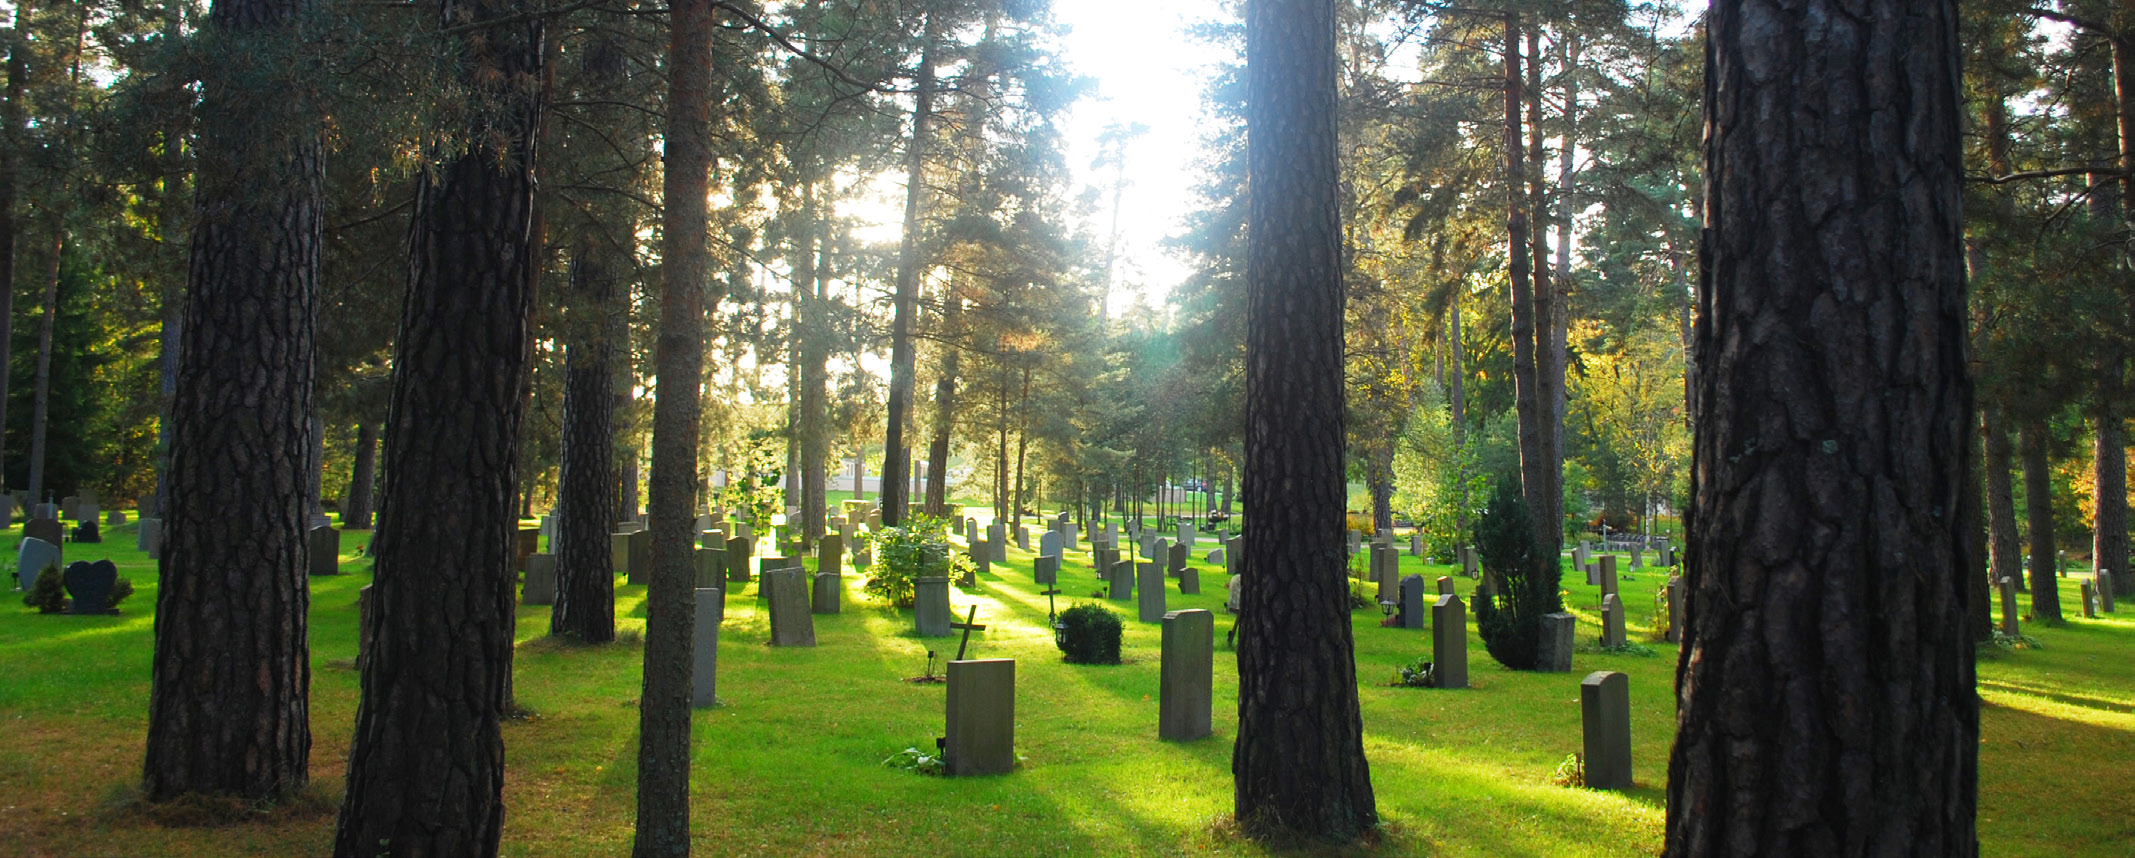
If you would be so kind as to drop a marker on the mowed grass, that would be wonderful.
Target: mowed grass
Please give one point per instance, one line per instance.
(791, 763)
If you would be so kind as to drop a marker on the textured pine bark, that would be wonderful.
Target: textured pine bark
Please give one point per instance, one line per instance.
(815, 374)
(944, 414)
(663, 708)
(1825, 689)
(426, 764)
(2109, 474)
(2005, 552)
(2038, 513)
(11, 132)
(228, 709)
(585, 503)
(1537, 453)
(1298, 764)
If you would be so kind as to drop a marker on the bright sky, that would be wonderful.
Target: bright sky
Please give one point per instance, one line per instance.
(1148, 71)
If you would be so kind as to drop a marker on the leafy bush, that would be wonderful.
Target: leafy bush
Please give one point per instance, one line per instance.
(914, 760)
(1523, 583)
(120, 589)
(1089, 634)
(48, 595)
(1570, 773)
(901, 557)
(1419, 674)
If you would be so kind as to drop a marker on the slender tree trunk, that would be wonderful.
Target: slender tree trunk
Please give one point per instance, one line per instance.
(229, 698)
(1526, 374)
(426, 762)
(42, 392)
(1825, 701)
(1381, 468)
(585, 481)
(1459, 404)
(944, 411)
(896, 460)
(357, 514)
(2109, 474)
(2038, 508)
(663, 709)
(1561, 284)
(812, 280)
(1015, 498)
(11, 134)
(1299, 763)
(2005, 551)
(1549, 375)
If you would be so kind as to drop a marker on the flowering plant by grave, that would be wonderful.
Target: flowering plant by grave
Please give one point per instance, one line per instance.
(901, 558)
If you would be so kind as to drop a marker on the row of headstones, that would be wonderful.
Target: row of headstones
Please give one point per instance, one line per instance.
(1584, 558)
(2097, 598)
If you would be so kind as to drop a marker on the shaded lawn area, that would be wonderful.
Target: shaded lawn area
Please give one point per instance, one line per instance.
(791, 764)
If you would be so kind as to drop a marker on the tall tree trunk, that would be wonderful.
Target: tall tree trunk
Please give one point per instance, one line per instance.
(627, 480)
(357, 512)
(11, 135)
(1459, 407)
(1535, 454)
(812, 280)
(944, 410)
(663, 708)
(1825, 701)
(426, 763)
(40, 401)
(896, 460)
(1549, 375)
(2109, 475)
(1569, 45)
(2005, 552)
(1299, 763)
(1015, 497)
(1381, 468)
(229, 695)
(2038, 509)
(585, 481)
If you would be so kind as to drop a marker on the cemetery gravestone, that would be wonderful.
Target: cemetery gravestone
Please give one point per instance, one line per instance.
(116, 518)
(46, 511)
(1023, 537)
(49, 530)
(828, 595)
(1176, 561)
(1069, 535)
(1234, 585)
(997, 542)
(89, 585)
(529, 542)
(1612, 633)
(1151, 582)
(1190, 581)
(1445, 585)
(7, 511)
(1608, 575)
(1049, 543)
(1605, 720)
(711, 568)
(1675, 593)
(34, 557)
(1415, 545)
(980, 735)
(324, 546)
(540, 580)
(830, 554)
(791, 623)
(68, 508)
(2105, 584)
(930, 607)
(149, 540)
(640, 556)
(1187, 533)
(1467, 560)
(704, 647)
(737, 560)
(1186, 678)
(1356, 542)
(1638, 556)
(981, 562)
(1119, 583)
(1410, 615)
(2090, 607)
(764, 566)
(86, 532)
(1449, 642)
(1558, 631)
(1045, 569)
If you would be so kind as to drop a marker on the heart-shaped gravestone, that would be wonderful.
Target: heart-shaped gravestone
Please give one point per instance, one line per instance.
(90, 584)
(36, 555)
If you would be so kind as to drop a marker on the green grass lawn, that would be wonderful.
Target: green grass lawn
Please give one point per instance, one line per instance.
(791, 763)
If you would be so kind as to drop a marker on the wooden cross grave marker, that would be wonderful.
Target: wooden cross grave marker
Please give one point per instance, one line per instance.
(1050, 614)
(968, 626)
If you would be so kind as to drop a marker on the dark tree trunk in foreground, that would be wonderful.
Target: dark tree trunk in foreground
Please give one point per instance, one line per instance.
(228, 708)
(678, 353)
(585, 482)
(2005, 551)
(2038, 514)
(1299, 760)
(426, 765)
(11, 134)
(41, 393)
(356, 514)
(811, 282)
(896, 460)
(1824, 692)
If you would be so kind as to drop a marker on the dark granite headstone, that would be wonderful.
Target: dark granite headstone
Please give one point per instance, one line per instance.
(1558, 632)
(1449, 641)
(930, 608)
(1045, 569)
(540, 580)
(89, 585)
(1411, 614)
(86, 532)
(828, 593)
(47, 529)
(1185, 677)
(704, 647)
(787, 593)
(1605, 716)
(981, 717)
(324, 546)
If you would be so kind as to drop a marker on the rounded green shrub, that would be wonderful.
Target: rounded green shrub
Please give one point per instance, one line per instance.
(47, 595)
(1089, 634)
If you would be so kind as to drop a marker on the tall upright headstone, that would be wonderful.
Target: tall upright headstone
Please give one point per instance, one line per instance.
(2090, 603)
(1558, 633)
(997, 542)
(1468, 560)
(2105, 584)
(640, 556)
(1049, 543)
(704, 647)
(930, 606)
(787, 594)
(1608, 575)
(1188, 534)
(1612, 631)
(1605, 720)
(981, 718)
(1675, 595)
(1023, 537)
(738, 550)
(1416, 544)
(32, 558)
(1186, 677)
(2010, 626)
(1068, 536)
(1151, 598)
(1411, 615)
(1449, 642)
(711, 567)
(1119, 582)
(1175, 561)
(323, 546)
(830, 554)
(540, 580)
